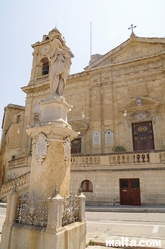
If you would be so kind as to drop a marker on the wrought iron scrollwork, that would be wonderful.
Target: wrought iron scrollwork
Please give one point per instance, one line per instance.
(70, 212)
(32, 210)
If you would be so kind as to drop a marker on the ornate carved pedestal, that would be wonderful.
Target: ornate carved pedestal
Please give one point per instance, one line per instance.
(43, 218)
(51, 149)
(50, 159)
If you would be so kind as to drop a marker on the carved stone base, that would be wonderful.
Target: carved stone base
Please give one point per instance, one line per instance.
(51, 148)
(50, 159)
(29, 237)
(54, 110)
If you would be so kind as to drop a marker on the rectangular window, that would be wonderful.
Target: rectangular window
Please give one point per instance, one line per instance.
(124, 183)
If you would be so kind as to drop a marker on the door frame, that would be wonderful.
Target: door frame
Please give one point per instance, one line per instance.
(130, 190)
(141, 122)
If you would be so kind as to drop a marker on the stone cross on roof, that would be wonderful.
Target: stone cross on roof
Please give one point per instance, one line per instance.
(132, 27)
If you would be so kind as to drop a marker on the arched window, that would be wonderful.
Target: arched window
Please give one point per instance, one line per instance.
(87, 186)
(45, 68)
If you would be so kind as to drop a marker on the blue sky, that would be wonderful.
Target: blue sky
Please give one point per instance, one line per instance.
(23, 23)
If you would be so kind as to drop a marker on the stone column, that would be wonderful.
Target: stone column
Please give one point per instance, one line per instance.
(82, 198)
(11, 210)
(55, 212)
(51, 149)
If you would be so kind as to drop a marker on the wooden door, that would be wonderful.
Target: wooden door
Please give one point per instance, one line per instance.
(143, 136)
(130, 192)
(135, 192)
(125, 196)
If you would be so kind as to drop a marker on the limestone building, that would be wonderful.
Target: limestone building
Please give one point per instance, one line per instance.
(119, 111)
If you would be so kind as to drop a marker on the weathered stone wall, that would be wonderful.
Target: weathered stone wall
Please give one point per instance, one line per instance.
(12, 126)
(106, 186)
(107, 102)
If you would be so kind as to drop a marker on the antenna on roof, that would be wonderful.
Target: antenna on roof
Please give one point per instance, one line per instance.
(90, 39)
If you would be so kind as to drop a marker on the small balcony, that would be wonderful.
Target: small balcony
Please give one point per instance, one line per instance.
(125, 159)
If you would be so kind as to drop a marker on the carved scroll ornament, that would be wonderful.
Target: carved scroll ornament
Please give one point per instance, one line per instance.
(41, 145)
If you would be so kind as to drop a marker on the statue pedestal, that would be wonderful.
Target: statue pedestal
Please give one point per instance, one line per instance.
(54, 111)
(44, 217)
(51, 149)
(50, 159)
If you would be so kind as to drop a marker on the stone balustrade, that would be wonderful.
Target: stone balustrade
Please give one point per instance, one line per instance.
(118, 159)
(88, 161)
(129, 158)
(20, 161)
(17, 182)
(85, 160)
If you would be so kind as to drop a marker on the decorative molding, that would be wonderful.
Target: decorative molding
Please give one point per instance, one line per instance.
(140, 66)
(41, 145)
(79, 124)
(41, 79)
(146, 101)
(141, 115)
(67, 149)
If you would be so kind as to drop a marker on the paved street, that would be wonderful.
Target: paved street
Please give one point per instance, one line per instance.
(102, 226)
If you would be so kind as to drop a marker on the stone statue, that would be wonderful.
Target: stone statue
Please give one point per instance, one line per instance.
(60, 61)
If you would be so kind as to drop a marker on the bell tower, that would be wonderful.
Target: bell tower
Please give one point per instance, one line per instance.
(41, 54)
(38, 87)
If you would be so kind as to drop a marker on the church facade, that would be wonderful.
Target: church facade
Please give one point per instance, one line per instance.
(118, 108)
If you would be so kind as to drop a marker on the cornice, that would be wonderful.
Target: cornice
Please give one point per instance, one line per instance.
(12, 106)
(127, 62)
(131, 40)
(112, 66)
(33, 87)
(40, 43)
(78, 75)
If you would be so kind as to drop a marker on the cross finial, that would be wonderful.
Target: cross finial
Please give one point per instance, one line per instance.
(132, 27)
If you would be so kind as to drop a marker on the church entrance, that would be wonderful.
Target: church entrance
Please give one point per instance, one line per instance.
(130, 192)
(143, 136)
